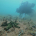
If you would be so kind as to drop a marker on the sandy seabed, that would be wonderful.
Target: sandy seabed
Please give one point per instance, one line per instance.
(13, 33)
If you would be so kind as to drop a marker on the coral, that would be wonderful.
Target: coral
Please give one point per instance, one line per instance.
(26, 8)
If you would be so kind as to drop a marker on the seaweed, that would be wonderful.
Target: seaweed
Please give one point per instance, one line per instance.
(4, 23)
(11, 24)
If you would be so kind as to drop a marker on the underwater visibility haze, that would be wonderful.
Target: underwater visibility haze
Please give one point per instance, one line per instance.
(17, 17)
(10, 6)
(18, 8)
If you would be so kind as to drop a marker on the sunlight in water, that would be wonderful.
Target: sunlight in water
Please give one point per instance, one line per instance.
(21, 1)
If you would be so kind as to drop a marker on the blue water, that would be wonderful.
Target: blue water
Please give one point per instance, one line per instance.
(8, 7)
